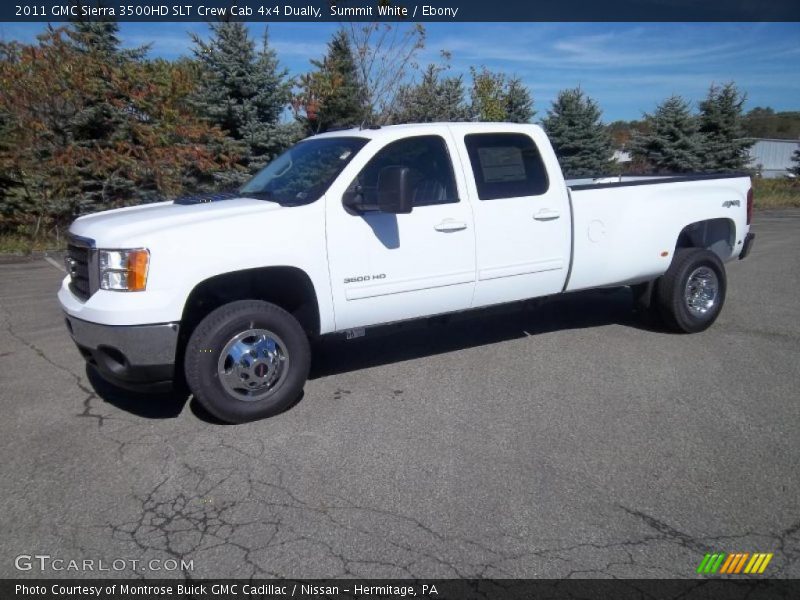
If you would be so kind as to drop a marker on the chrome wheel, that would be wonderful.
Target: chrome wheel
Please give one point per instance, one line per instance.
(253, 364)
(702, 291)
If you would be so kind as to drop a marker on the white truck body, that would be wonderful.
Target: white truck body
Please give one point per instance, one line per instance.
(371, 267)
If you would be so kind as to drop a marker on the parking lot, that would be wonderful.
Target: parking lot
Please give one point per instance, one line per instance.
(568, 440)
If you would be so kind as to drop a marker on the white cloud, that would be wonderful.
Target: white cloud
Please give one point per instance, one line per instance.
(651, 45)
(302, 49)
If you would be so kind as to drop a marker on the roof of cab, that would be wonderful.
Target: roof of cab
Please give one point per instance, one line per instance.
(423, 128)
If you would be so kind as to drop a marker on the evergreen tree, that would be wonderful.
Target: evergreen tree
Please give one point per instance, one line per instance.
(244, 92)
(671, 143)
(518, 102)
(9, 202)
(795, 170)
(102, 37)
(722, 127)
(451, 105)
(331, 96)
(580, 140)
(434, 98)
(102, 117)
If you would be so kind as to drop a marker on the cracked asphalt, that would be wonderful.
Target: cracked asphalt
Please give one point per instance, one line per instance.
(566, 440)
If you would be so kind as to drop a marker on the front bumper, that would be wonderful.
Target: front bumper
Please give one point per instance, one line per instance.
(748, 245)
(138, 357)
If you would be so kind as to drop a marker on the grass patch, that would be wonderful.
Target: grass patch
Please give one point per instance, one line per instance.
(15, 243)
(776, 193)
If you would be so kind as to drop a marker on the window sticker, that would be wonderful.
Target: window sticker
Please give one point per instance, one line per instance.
(502, 163)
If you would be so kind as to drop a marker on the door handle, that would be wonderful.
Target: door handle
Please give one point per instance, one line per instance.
(546, 214)
(450, 225)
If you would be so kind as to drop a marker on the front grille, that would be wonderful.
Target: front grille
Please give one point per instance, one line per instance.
(78, 268)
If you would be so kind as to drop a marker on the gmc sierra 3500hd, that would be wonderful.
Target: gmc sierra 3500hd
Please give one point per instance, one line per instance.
(363, 227)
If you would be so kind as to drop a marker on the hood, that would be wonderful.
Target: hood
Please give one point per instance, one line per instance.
(119, 227)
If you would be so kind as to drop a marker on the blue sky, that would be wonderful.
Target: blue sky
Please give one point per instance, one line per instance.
(628, 68)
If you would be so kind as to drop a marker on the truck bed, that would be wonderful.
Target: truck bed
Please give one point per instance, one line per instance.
(624, 231)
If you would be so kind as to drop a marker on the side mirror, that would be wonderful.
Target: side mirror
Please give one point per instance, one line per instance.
(394, 190)
(353, 199)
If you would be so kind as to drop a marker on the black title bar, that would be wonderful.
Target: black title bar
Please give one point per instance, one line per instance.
(267, 11)
(749, 588)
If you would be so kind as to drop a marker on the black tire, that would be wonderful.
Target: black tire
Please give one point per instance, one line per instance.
(217, 331)
(671, 291)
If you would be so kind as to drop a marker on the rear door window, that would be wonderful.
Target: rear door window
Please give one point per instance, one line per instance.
(506, 165)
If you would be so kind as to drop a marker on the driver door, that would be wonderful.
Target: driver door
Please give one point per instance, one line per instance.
(390, 267)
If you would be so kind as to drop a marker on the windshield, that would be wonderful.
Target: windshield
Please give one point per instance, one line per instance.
(303, 173)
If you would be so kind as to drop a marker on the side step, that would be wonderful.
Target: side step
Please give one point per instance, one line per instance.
(351, 334)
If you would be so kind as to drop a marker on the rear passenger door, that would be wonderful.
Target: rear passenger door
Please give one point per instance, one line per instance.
(522, 219)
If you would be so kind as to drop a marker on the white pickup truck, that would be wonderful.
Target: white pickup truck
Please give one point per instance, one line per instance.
(362, 227)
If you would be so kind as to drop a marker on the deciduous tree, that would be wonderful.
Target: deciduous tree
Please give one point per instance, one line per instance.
(92, 127)
(496, 97)
(766, 123)
(488, 95)
(384, 54)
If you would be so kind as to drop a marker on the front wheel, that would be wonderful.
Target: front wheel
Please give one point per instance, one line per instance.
(247, 360)
(691, 293)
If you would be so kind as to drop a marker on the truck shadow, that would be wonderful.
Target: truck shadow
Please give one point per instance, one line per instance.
(162, 405)
(384, 345)
(394, 343)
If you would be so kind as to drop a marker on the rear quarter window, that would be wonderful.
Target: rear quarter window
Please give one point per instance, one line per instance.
(506, 165)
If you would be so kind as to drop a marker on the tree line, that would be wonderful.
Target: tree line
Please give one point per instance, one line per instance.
(86, 124)
(758, 122)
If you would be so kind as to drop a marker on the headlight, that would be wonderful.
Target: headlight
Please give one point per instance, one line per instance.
(124, 270)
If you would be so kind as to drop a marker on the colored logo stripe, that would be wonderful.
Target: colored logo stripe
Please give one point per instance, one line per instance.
(740, 564)
(758, 563)
(728, 563)
(703, 563)
(734, 564)
(711, 563)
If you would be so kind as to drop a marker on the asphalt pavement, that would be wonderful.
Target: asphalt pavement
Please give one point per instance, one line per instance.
(570, 439)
